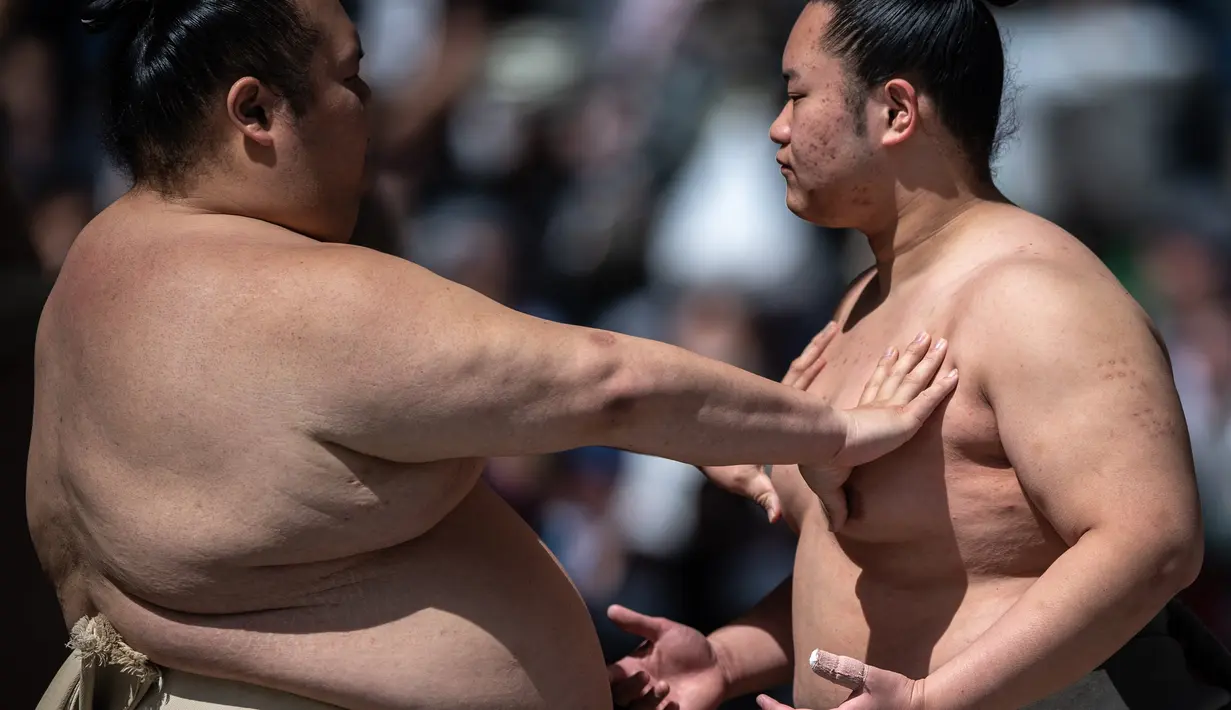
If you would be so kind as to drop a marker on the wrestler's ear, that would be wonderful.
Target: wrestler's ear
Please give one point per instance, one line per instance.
(250, 108)
(898, 109)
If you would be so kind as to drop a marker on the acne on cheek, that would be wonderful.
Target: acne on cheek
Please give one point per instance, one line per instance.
(816, 148)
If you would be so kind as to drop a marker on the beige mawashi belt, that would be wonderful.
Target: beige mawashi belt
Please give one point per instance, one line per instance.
(80, 685)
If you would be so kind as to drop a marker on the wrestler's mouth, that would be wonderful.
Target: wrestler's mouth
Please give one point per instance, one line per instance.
(785, 166)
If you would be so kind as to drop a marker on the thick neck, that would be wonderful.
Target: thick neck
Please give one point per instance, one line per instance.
(922, 223)
(235, 196)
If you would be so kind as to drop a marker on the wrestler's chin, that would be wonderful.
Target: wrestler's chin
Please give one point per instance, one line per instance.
(802, 207)
(796, 202)
(823, 220)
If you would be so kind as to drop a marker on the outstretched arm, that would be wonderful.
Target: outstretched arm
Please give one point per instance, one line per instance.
(387, 359)
(754, 482)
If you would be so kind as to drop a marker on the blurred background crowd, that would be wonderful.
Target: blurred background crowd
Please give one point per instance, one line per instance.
(606, 163)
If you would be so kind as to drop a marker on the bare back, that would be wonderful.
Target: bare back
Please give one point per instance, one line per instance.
(942, 538)
(176, 486)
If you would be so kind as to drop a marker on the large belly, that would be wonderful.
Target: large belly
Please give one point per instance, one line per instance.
(475, 614)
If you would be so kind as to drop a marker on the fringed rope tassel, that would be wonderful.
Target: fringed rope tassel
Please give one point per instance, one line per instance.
(100, 644)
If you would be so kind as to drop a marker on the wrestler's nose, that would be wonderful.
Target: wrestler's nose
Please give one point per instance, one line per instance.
(780, 131)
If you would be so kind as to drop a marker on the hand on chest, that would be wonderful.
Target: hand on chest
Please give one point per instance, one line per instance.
(852, 357)
(891, 493)
(963, 422)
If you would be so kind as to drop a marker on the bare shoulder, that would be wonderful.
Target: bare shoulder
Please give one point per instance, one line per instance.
(249, 280)
(1041, 290)
(176, 304)
(1040, 275)
(151, 255)
(330, 320)
(1085, 404)
(1045, 294)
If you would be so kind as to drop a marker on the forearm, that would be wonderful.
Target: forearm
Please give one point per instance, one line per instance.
(1091, 602)
(757, 652)
(472, 379)
(672, 403)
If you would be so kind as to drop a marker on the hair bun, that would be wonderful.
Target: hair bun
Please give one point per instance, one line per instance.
(99, 15)
(1001, 3)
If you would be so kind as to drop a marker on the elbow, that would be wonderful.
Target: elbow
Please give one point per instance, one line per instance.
(1165, 546)
(1185, 562)
(1184, 550)
(1178, 561)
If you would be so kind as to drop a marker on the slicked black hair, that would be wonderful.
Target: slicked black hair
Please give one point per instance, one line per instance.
(950, 49)
(172, 58)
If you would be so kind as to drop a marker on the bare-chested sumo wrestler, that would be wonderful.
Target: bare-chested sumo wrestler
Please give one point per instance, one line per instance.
(255, 469)
(1027, 545)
